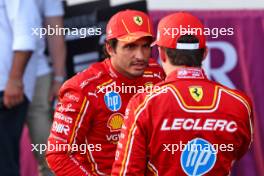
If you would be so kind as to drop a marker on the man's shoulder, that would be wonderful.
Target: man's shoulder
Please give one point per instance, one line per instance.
(89, 77)
(214, 86)
(235, 93)
(154, 70)
(154, 65)
(140, 99)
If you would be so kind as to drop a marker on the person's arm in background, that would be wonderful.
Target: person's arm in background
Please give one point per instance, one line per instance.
(53, 18)
(23, 45)
(14, 92)
(57, 50)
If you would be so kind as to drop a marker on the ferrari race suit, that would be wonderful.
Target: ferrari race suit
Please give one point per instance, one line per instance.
(191, 126)
(89, 116)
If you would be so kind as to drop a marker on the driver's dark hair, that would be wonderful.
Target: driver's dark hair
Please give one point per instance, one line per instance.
(112, 43)
(184, 57)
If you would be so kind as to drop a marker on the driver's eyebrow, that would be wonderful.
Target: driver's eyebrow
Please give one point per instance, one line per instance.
(129, 45)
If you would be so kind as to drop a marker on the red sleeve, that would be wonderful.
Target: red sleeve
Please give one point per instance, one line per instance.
(70, 125)
(247, 127)
(131, 151)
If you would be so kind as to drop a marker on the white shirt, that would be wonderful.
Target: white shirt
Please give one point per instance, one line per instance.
(17, 17)
(47, 8)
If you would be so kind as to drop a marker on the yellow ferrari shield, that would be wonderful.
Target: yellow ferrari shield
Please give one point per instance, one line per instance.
(138, 20)
(196, 92)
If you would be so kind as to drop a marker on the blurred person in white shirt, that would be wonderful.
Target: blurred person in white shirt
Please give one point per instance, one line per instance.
(18, 73)
(49, 79)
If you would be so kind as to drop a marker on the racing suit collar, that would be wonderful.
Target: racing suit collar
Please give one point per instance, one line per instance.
(187, 73)
(116, 75)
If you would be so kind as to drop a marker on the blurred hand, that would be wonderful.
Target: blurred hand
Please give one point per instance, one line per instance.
(54, 91)
(13, 93)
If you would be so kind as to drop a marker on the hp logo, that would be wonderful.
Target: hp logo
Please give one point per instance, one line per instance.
(112, 101)
(198, 157)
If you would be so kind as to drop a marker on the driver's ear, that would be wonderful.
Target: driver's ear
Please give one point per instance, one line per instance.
(110, 50)
(205, 53)
(162, 54)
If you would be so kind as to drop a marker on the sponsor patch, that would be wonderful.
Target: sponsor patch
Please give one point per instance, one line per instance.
(190, 73)
(196, 92)
(62, 117)
(157, 75)
(198, 124)
(72, 97)
(198, 157)
(113, 138)
(92, 94)
(113, 101)
(115, 122)
(60, 128)
(87, 81)
(138, 20)
(67, 108)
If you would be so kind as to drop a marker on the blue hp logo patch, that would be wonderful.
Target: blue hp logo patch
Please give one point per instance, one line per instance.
(113, 101)
(198, 157)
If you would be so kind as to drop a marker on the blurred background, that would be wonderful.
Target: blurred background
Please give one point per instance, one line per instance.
(234, 60)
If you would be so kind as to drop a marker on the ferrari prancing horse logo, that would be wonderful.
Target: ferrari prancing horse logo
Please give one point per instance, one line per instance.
(196, 93)
(138, 20)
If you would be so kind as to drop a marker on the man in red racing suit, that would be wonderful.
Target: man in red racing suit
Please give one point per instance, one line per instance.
(91, 106)
(191, 126)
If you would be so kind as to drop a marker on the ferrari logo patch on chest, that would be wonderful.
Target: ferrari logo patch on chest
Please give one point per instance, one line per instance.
(138, 20)
(196, 92)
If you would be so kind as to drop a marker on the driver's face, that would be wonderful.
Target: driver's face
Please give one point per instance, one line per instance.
(131, 59)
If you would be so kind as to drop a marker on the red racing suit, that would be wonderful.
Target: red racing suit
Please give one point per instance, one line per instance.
(89, 116)
(191, 126)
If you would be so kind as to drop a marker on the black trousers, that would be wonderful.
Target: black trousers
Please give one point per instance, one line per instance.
(11, 125)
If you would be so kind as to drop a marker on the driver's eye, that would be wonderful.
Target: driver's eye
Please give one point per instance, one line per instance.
(130, 46)
(146, 46)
